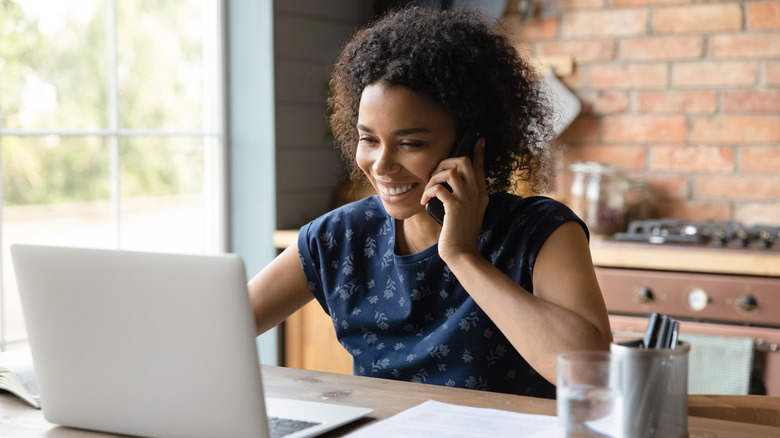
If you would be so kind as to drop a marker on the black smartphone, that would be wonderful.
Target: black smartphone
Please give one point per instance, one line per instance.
(464, 146)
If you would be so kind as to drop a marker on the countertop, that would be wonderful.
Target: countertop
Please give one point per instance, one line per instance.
(679, 257)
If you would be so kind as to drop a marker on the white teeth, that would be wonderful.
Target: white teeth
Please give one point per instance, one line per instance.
(396, 190)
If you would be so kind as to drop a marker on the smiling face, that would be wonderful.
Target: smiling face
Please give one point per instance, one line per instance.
(403, 136)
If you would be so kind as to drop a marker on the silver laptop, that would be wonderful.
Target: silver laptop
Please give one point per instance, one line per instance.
(148, 344)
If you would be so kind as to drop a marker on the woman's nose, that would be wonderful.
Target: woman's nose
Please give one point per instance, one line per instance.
(385, 161)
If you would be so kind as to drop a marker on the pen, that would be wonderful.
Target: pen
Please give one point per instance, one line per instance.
(663, 331)
(673, 335)
(652, 329)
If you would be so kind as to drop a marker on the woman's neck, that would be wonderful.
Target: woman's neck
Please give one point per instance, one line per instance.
(417, 233)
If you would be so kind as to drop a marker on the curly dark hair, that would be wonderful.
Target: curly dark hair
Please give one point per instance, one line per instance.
(462, 61)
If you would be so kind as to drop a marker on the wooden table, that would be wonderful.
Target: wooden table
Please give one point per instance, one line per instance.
(389, 397)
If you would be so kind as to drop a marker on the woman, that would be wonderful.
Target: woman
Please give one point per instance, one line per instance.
(490, 296)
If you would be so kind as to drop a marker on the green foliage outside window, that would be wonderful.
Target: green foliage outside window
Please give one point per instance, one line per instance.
(54, 76)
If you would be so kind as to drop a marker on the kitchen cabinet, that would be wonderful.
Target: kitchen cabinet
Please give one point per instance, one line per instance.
(310, 342)
(309, 338)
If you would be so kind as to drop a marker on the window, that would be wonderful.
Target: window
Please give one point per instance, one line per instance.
(111, 130)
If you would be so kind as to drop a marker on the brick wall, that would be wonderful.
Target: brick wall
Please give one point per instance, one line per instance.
(682, 93)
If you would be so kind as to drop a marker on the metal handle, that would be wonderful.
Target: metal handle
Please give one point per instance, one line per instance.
(762, 345)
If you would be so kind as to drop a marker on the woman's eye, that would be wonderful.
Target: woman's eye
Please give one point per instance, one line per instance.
(412, 144)
(365, 139)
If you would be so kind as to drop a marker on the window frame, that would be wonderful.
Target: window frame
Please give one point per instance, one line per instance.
(215, 143)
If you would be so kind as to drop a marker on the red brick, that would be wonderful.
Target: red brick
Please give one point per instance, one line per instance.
(603, 102)
(616, 22)
(697, 18)
(758, 214)
(668, 186)
(713, 74)
(736, 129)
(581, 51)
(763, 15)
(581, 4)
(627, 157)
(675, 47)
(634, 3)
(694, 210)
(736, 187)
(760, 159)
(537, 28)
(745, 45)
(692, 158)
(629, 76)
(638, 129)
(529, 30)
(772, 72)
(689, 102)
(584, 129)
(751, 101)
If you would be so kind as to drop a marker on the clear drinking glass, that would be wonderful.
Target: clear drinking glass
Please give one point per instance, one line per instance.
(587, 401)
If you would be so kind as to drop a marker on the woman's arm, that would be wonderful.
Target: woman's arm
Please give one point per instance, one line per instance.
(278, 290)
(565, 312)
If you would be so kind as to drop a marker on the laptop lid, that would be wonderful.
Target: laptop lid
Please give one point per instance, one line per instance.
(152, 344)
(141, 343)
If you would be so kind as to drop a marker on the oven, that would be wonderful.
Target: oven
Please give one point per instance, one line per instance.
(720, 280)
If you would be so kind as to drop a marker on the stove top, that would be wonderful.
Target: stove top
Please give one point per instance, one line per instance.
(715, 234)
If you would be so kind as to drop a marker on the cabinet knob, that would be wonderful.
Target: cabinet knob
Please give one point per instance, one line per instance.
(698, 299)
(747, 302)
(644, 294)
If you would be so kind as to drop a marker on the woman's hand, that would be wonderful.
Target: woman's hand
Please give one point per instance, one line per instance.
(464, 206)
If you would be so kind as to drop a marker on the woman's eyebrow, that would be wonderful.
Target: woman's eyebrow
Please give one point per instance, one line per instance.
(398, 132)
(410, 131)
(363, 127)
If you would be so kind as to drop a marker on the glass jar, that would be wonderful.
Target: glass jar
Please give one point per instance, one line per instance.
(605, 201)
(637, 197)
(576, 199)
(602, 197)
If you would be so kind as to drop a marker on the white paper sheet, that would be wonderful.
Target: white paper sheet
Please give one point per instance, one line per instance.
(433, 419)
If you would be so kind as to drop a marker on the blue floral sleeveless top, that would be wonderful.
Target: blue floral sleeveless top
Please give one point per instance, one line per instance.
(407, 317)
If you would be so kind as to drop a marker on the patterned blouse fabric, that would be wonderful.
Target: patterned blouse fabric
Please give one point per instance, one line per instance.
(407, 317)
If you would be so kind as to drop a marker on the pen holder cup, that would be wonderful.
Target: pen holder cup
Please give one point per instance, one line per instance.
(653, 384)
